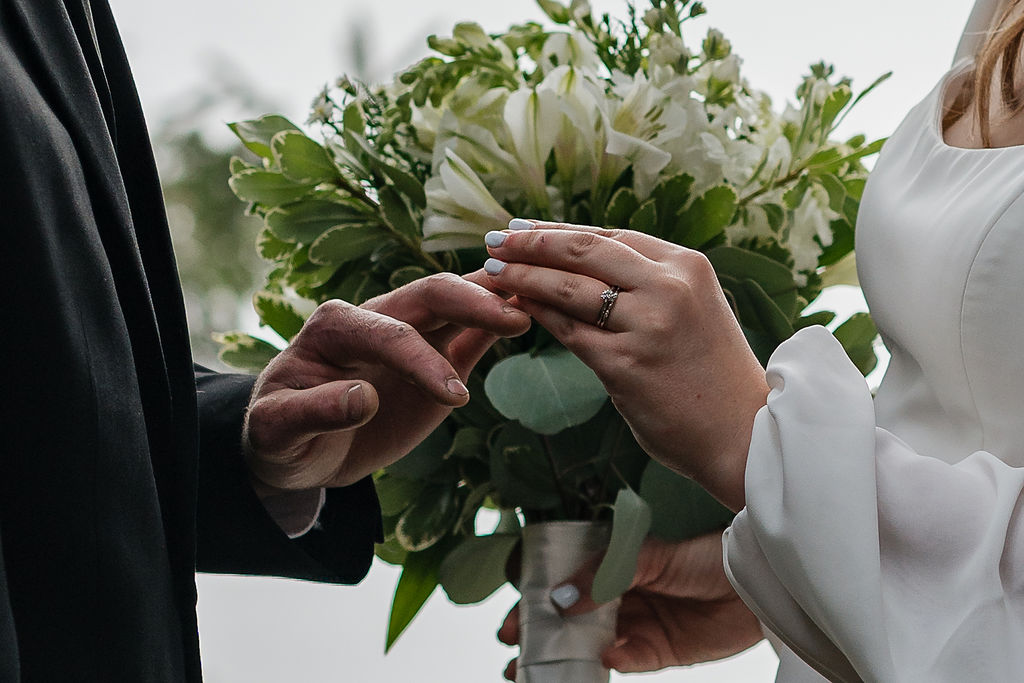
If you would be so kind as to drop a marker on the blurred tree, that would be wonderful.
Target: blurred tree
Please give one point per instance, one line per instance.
(214, 241)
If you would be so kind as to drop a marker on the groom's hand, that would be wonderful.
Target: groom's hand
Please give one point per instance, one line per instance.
(359, 387)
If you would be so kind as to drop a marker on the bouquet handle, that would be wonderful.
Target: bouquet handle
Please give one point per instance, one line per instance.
(554, 649)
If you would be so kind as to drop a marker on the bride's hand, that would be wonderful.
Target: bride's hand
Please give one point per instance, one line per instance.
(671, 353)
(680, 610)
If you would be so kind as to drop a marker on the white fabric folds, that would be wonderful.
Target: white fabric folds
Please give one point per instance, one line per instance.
(871, 561)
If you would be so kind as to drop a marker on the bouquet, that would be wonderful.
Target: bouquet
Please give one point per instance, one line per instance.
(583, 119)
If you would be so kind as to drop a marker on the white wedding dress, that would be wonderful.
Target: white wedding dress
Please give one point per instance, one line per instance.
(883, 540)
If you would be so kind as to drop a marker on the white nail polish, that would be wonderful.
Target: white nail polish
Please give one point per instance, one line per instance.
(520, 224)
(495, 238)
(493, 266)
(565, 596)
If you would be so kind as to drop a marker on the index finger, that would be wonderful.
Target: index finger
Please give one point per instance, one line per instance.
(648, 245)
(433, 302)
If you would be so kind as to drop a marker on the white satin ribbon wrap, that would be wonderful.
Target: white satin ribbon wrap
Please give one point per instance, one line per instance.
(555, 649)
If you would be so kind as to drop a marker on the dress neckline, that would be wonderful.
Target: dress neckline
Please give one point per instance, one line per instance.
(938, 107)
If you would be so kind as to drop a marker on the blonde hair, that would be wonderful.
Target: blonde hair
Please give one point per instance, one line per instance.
(998, 56)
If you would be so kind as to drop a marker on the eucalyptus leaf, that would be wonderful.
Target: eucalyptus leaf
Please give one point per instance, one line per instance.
(547, 392)
(469, 442)
(476, 567)
(257, 133)
(303, 159)
(630, 524)
(680, 508)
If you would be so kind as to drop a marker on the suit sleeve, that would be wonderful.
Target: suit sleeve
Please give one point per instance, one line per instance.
(235, 533)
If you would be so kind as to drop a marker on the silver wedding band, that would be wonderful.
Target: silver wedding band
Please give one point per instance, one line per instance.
(608, 299)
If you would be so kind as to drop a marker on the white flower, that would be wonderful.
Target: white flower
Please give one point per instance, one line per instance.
(534, 120)
(568, 49)
(460, 209)
(811, 219)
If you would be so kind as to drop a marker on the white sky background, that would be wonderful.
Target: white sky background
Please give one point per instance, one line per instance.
(271, 631)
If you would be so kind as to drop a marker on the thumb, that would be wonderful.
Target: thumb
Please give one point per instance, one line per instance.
(572, 596)
(285, 419)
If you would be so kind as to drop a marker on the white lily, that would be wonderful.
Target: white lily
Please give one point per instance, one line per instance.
(460, 209)
(534, 120)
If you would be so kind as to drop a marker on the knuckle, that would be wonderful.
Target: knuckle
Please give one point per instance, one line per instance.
(581, 243)
(567, 288)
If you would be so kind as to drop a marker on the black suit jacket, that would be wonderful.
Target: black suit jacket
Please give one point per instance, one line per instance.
(120, 466)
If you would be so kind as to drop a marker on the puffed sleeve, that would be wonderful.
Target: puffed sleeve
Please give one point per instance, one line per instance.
(869, 560)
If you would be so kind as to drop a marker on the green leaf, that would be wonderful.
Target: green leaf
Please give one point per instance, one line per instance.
(268, 188)
(345, 243)
(390, 551)
(257, 133)
(271, 247)
(428, 519)
(278, 313)
(352, 118)
(836, 192)
(706, 217)
(469, 442)
(418, 581)
(770, 317)
(680, 508)
(842, 243)
(476, 568)
(630, 524)
(406, 274)
(774, 278)
(520, 470)
(857, 335)
(404, 182)
(671, 194)
(645, 218)
(621, 207)
(396, 213)
(245, 352)
(396, 494)
(794, 196)
(819, 318)
(238, 164)
(307, 220)
(547, 392)
(776, 216)
(834, 104)
(556, 11)
(427, 458)
(303, 159)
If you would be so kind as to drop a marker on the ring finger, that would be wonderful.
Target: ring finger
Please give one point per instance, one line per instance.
(579, 296)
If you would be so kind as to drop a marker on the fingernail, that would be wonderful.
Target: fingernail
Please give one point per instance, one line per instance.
(520, 224)
(456, 387)
(353, 402)
(493, 266)
(565, 596)
(495, 238)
